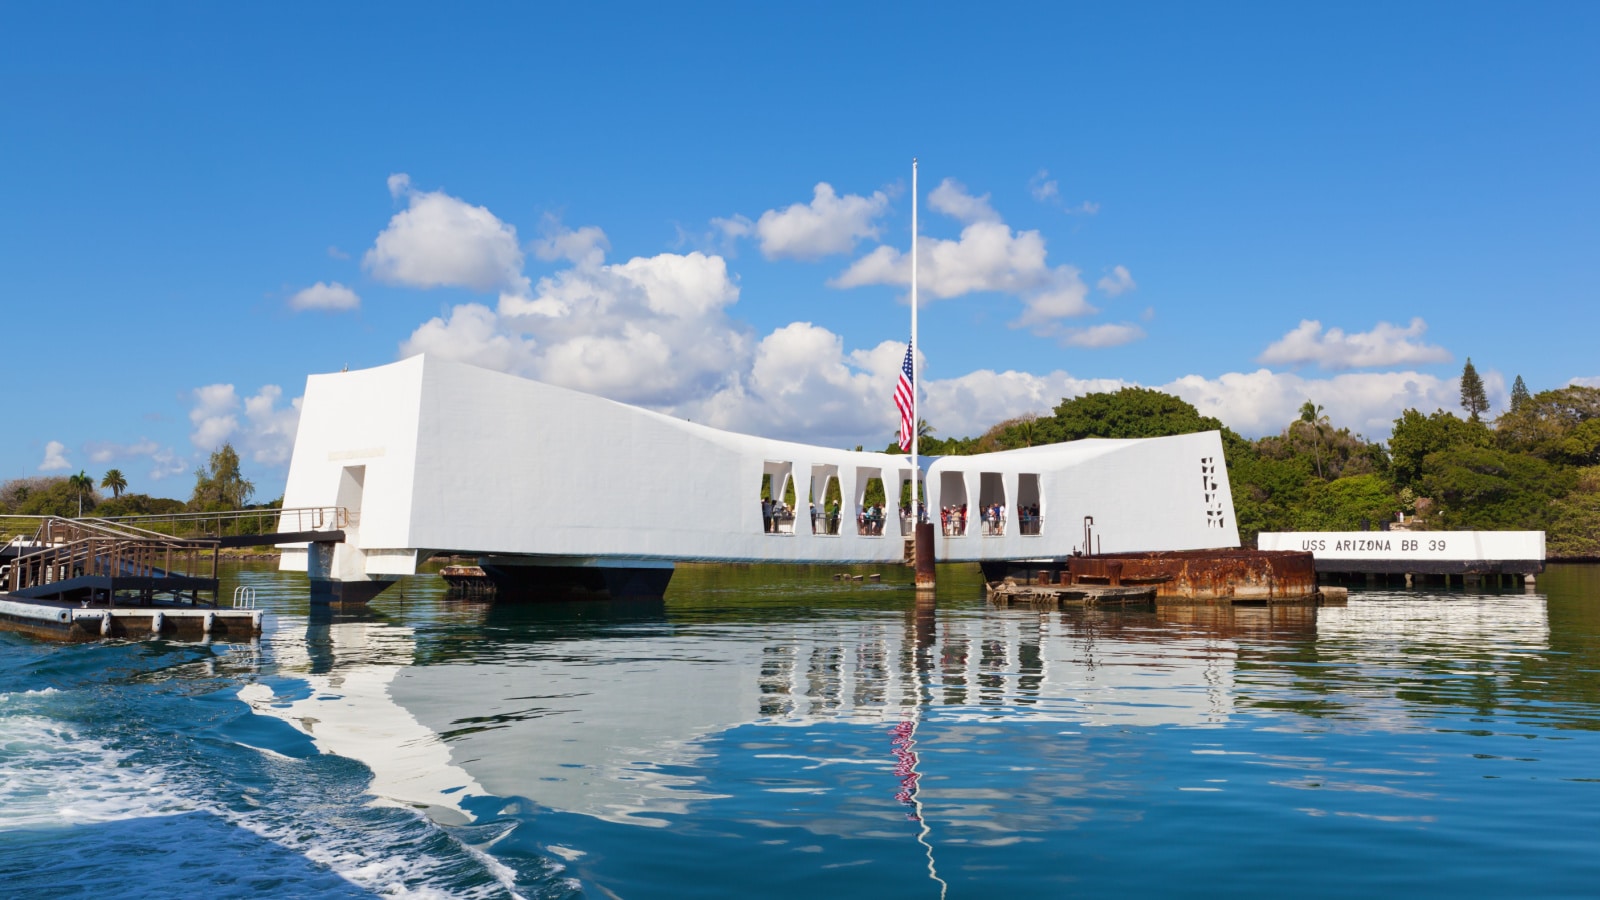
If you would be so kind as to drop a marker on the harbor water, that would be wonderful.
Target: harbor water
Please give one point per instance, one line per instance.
(775, 732)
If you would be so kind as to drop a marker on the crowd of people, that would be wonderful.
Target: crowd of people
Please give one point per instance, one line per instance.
(778, 518)
(953, 519)
(824, 521)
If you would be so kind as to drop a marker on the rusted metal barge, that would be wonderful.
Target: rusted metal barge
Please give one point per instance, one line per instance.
(1221, 576)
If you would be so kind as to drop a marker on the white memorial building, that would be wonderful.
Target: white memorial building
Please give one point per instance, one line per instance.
(542, 483)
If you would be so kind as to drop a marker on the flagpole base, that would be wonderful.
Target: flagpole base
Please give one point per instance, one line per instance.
(924, 576)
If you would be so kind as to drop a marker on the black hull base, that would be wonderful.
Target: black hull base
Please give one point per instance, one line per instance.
(544, 583)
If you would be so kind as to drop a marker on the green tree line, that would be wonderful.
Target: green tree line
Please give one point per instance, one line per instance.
(219, 486)
(1535, 467)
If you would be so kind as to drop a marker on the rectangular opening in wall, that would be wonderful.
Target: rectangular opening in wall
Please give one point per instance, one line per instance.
(777, 497)
(992, 503)
(352, 484)
(826, 500)
(952, 504)
(870, 519)
(1030, 517)
(907, 508)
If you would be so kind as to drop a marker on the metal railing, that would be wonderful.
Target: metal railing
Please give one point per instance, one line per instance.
(112, 556)
(245, 521)
(197, 524)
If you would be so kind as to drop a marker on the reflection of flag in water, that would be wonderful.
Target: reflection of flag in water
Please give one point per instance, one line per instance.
(905, 401)
(903, 738)
(905, 762)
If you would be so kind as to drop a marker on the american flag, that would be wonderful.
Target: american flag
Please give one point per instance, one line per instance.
(904, 400)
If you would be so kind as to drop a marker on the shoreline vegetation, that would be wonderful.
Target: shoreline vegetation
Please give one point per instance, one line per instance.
(1534, 467)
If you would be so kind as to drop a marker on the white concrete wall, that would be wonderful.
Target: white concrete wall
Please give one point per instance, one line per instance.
(1143, 494)
(467, 460)
(1445, 546)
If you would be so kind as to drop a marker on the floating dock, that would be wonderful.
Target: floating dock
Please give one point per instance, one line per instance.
(66, 621)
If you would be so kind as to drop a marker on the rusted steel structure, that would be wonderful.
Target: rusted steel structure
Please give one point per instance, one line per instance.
(1010, 593)
(1224, 575)
(467, 581)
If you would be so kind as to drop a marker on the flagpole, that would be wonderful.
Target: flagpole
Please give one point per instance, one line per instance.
(916, 375)
(921, 530)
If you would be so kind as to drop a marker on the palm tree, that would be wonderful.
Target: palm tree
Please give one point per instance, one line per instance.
(81, 482)
(115, 482)
(923, 430)
(1312, 414)
(1027, 430)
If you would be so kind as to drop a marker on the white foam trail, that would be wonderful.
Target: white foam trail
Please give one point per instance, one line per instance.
(53, 778)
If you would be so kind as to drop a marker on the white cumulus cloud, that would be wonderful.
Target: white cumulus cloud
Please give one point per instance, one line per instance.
(952, 199)
(1264, 402)
(829, 224)
(1333, 348)
(267, 433)
(1043, 187)
(650, 330)
(333, 297)
(164, 461)
(581, 245)
(1586, 382)
(270, 438)
(1106, 335)
(102, 452)
(804, 385)
(657, 331)
(439, 241)
(988, 256)
(1119, 281)
(55, 457)
(472, 334)
(214, 415)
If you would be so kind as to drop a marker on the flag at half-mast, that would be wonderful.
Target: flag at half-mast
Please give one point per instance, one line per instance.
(905, 401)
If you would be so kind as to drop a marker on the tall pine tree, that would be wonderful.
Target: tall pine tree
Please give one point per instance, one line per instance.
(1473, 399)
(1519, 395)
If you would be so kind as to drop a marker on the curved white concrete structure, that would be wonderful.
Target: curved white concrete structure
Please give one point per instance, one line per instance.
(437, 456)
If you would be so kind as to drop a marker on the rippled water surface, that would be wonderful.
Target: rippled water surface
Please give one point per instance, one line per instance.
(773, 732)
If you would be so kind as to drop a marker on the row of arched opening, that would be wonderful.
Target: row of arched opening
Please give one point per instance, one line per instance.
(822, 509)
(825, 510)
(995, 514)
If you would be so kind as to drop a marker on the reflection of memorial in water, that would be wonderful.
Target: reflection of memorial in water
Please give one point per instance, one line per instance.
(345, 667)
(1281, 621)
(608, 710)
(1067, 666)
(615, 711)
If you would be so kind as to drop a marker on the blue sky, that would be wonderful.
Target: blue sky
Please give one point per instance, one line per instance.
(705, 210)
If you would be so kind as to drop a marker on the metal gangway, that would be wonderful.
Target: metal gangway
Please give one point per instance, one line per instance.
(71, 558)
(174, 553)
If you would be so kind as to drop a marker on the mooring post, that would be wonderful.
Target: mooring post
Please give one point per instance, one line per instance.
(924, 576)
